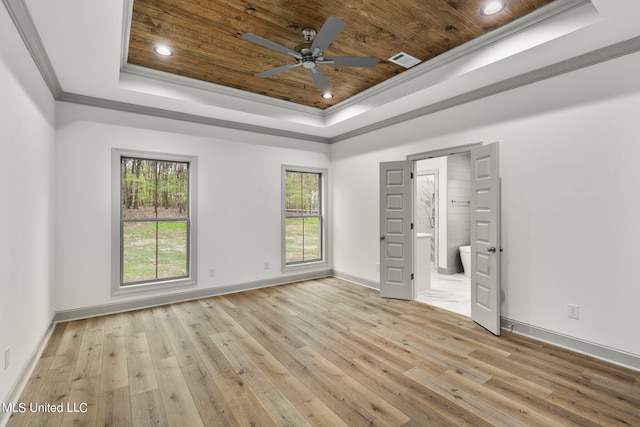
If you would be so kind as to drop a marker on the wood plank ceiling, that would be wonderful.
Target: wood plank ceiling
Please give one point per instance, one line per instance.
(206, 38)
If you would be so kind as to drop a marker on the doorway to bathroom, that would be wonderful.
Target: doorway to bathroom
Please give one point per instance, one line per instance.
(401, 244)
(442, 221)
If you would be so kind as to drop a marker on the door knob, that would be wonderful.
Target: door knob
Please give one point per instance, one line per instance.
(491, 249)
(382, 237)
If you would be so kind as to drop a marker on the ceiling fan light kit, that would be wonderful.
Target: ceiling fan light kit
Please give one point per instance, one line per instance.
(309, 54)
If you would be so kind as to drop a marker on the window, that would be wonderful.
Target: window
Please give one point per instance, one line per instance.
(154, 221)
(303, 218)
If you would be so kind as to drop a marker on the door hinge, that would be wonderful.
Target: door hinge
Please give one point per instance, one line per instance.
(411, 175)
(411, 276)
(412, 226)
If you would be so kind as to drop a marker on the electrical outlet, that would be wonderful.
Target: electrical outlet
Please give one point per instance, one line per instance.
(212, 272)
(7, 357)
(573, 311)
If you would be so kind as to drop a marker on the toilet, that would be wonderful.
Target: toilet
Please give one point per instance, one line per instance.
(465, 257)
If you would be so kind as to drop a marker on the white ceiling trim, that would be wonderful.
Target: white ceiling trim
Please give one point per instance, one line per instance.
(26, 28)
(218, 95)
(185, 117)
(222, 93)
(573, 64)
(549, 11)
(231, 98)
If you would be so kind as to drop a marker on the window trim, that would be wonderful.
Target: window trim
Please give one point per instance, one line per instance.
(117, 287)
(324, 209)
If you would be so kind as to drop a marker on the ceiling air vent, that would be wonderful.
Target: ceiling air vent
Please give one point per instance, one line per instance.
(404, 59)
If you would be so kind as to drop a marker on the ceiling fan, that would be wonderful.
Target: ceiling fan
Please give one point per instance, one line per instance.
(309, 54)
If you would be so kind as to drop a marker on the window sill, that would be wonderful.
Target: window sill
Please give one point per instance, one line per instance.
(154, 286)
(307, 266)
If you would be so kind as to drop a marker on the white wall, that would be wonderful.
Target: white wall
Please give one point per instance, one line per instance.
(27, 115)
(570, 176)
(239, 200)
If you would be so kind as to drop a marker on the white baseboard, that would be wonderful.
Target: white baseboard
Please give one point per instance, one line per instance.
(597, 351)
(27, 370)
(357, 280)
(100, 310)
(62, 316)
(617, 357)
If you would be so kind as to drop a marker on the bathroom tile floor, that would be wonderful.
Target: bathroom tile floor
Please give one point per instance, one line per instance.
(450, 292)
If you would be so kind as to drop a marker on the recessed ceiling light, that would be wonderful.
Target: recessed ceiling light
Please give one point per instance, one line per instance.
(492, 7)
(327, 95)
(163, 50)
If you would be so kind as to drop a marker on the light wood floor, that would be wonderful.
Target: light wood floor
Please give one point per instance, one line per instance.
(323, 352)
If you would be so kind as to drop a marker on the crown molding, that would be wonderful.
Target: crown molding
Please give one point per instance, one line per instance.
(572, 64)
(206, 87)
(549, 11)
(26, 28)
(216, 90)
(185, 117)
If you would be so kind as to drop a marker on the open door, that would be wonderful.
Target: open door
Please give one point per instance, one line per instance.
(396, 249)
(485, 237)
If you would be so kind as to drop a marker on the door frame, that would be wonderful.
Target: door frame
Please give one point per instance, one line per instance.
(414, 158)
(425, 155)
(443, 152)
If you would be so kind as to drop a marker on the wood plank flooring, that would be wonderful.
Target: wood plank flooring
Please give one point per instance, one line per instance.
(316, 353)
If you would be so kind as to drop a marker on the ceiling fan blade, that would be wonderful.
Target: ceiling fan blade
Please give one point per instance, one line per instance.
(271, 45)
(329, 31)
(319, 78)
(350, 61)
(277, 70)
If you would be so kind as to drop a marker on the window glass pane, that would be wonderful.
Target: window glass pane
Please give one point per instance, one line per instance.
(294, 240)
(139, 251)
(172, 249)
(311, 194)
(172, 189)
(293, 198)
(150, 190)
(302, 211)
(154, 250)
(312, 251)
(154, 189)
(138, 188)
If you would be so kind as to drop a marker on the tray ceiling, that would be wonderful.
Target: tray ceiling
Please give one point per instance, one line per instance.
(206, 39)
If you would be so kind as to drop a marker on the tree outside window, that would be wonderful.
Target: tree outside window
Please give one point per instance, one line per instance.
(154, 220)
(303, 217)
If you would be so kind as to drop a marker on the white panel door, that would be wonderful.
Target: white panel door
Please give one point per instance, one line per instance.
(485, 237)
(396, 250)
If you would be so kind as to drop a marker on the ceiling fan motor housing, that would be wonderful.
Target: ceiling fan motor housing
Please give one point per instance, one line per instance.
(310, 52)
(308, 60)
